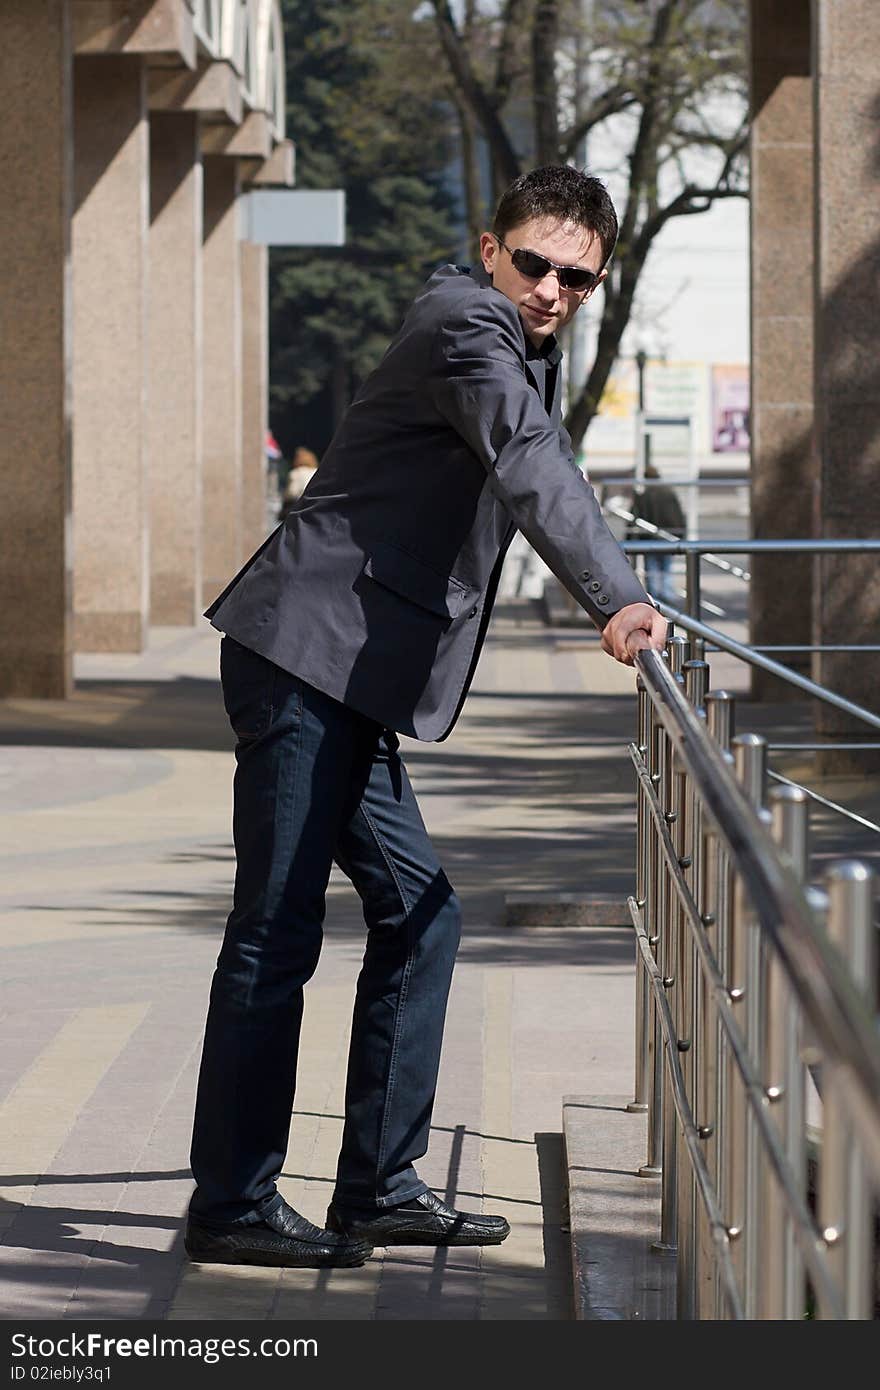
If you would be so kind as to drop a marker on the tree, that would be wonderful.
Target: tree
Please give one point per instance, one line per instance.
(660, 69)
(334, 310)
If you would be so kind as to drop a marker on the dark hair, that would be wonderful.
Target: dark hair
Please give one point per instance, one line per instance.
(560, 193)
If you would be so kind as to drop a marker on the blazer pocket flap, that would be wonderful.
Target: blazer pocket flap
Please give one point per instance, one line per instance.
(412, 579)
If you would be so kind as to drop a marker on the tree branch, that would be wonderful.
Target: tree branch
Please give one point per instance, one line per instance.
(545, 41)
(617, 98)
(693, 199)
(644, 152)
(504, 156)
(504, 67)
(470, 176)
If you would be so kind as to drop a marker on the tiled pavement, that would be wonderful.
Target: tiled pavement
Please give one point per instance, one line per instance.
(116, 873)
(117, 870)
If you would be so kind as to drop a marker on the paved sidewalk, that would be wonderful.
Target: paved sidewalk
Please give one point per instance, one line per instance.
(118, 866)
(115, 826)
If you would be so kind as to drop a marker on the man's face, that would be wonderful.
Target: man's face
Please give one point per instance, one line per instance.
(544, 306)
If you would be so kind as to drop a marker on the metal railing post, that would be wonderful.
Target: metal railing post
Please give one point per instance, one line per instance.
(644, 829)
(653, 1166)
(682, 995)
(692, 583)
(688, 848)
(750, 994)
(750, 754)
(677, 647)
(666, 962)
(846, 1208)
(706, 1060)
(783, 1284)
(720, 711)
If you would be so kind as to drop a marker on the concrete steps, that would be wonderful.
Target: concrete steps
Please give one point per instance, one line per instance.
(614, 1215)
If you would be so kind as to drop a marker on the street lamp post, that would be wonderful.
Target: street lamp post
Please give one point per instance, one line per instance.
(641, 362)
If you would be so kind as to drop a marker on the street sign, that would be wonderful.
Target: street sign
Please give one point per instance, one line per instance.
(294, 217)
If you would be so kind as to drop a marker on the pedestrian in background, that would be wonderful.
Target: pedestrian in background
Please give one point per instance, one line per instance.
(660, 506)
(302, 470)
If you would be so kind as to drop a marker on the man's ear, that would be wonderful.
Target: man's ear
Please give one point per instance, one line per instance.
(488, 251)
(603, 275)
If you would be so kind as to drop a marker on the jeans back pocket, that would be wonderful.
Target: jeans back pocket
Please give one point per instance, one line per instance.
(248, 682)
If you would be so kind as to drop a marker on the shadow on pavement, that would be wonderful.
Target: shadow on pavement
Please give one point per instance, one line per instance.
(186, 712)
(420, 1283)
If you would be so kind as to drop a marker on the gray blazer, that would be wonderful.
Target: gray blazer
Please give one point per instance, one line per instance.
(378, 587)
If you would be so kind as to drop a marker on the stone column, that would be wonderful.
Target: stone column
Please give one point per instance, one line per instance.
(35, 209)
(255, 389)
(783, 466)
(222, 534)
(847, 116)
(175, 420)
(111, 187)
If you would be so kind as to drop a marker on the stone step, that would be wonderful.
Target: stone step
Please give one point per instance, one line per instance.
(614, 1214)
(538, 909)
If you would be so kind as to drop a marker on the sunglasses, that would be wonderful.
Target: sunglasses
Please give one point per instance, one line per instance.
(535, 267)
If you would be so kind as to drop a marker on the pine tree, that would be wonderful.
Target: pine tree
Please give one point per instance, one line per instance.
(334, 310)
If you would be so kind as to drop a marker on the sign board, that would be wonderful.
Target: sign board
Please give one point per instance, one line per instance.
(294, 217)
(730, 409)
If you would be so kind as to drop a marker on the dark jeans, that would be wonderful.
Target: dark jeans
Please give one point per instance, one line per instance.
(314, 782)
(658, 578)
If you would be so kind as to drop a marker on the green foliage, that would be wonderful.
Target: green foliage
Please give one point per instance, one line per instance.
(663, 80)
(334, 310)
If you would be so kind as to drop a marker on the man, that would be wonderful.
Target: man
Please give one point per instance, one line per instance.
(360, 618)
(659, 505)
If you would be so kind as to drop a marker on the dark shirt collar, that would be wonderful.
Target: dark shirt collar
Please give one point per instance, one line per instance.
(549, 351)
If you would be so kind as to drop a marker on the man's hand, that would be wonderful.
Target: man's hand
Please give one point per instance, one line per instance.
(634, 628)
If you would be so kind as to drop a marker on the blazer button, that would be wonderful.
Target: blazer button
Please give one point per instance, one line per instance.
(594, 587)
(603, 598)
(473, 613)
(587, 574)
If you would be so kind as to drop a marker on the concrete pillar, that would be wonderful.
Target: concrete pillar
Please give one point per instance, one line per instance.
(35, 209)
(847, 121)
(111, 186)
(174, 426)
(222, 535)
(783, 464)
(255, 390)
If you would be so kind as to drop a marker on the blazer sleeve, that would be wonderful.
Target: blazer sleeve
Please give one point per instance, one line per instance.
(479, 386)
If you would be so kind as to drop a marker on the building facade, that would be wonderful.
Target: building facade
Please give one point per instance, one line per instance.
(815, 306)
(135, 324)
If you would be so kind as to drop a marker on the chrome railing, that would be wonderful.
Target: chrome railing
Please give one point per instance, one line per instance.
(751, 988)
(707, 636)
(656, 533)
(695, 550)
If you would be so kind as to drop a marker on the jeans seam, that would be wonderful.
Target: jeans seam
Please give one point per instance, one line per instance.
(404, 985)
(273, 674)
(278, 790)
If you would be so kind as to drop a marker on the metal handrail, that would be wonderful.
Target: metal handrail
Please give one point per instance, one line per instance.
(751, 547)
(826, 746)
(657, 531)
(834, 1008)
(606, 480)
(689, 796)
(696, 550)
(754, 1092)
(766, 663)
(826, 801)
(827, 647)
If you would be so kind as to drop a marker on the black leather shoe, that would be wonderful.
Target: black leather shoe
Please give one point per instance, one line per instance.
(424, 1220)
(281, 1238)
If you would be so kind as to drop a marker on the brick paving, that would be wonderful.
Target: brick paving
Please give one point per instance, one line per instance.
(117, 868)
(115, 821)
